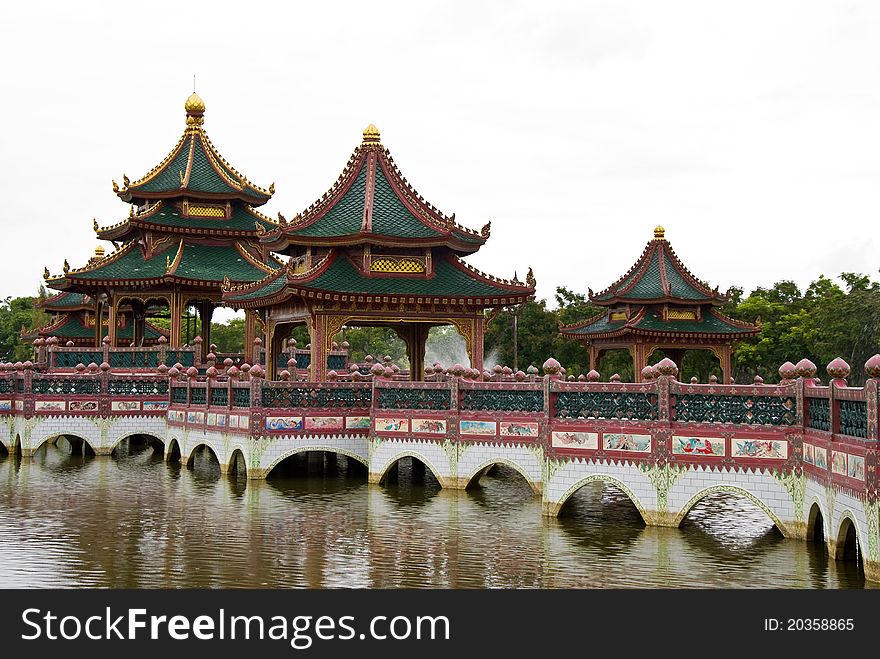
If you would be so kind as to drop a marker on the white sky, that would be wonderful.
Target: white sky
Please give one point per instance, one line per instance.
(748, 129)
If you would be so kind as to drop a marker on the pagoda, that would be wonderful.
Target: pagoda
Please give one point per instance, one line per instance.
(659, 305)
(192, 223)
(372, 252)
(73, 321)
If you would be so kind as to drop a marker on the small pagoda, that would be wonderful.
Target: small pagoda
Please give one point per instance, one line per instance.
(372, 252)
(659, 305)
(74, 322)
(192, 224)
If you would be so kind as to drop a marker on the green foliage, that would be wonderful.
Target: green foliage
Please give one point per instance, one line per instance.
(228, 336)
(375, 341)
(17, 314)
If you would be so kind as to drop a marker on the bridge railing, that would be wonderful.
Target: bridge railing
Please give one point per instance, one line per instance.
(750, 405)
(55, 358)
(402, 395)
(604, 400)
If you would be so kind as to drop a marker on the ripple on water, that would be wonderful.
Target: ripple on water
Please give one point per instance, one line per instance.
(135, 521)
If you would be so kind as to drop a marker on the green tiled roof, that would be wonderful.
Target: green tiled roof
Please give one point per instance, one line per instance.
(652, 321)
(270, 288)
(599, 325)
(644, 281)
(346, 215)
(200, 262)
(64, 301)
(130, 265)
(242, 219)
(391, 217)
(213, 263)
(73, 328)
(709, 324)
(342, 277)
(203, 177)
(372, 176)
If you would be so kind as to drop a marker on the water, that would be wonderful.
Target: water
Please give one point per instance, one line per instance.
(134, 521)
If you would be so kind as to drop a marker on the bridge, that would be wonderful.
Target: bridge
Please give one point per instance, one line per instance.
(803, 452)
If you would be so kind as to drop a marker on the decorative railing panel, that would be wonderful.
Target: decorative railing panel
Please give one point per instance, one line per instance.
(819, 414)
(219, 396)
(342, 395)
(138, 387)
(70, 358)
(68, 386)
(241, 397)
(502, 400)
(336, 362)
(853, 418)
(742, 409)
(178, 395)
(413, 398)
(134, 359)
(6, 386)
(606, 405)
(185, 357)
(198, 395)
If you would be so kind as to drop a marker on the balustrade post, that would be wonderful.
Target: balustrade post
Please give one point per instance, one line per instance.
(872, 386)
(105, 349)
(256, 408)
(162, 352)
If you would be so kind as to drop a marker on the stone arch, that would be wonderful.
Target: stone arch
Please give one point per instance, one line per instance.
(126, 435)
(209, 446)
(383, 473)
(55, 435)
(604, 478)
(172, 449)
(474, 476)
(735, 489)
(237, 454)
(305, 449)
(848, 519)
(817, 521)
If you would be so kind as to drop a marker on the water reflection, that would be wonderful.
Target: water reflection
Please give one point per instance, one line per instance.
(135, 521)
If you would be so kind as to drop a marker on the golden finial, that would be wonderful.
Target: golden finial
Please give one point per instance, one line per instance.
(167, 262)
(99, 251)
(115, 187)
(659, 233)
(95, 224)
(195, 108)
(530, 279)
(484, 232)
(125, 180)
(66, 267)
(131, 211)
(371, 134)
(281, 219)
(272, 187)
(46, 274)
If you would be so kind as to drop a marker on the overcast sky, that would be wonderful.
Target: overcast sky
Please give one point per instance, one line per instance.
(749, 130)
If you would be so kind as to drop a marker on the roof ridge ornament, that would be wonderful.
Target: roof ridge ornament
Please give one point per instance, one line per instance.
(195, 110)
(371, 134)
(530, 279)
(659, 233)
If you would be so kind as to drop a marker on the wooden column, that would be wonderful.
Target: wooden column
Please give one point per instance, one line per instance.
(724, 353)
(111, 322)
(206, 311)
(99, 322)
(320, 345)
(479, 329)
(250, 333)
(174, 308)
